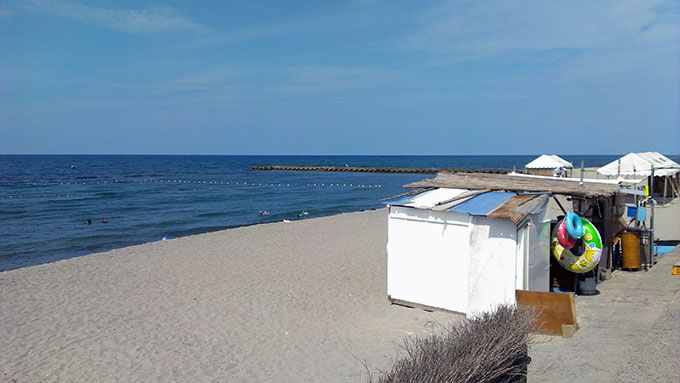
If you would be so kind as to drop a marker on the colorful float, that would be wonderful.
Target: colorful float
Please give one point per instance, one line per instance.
(565, 238)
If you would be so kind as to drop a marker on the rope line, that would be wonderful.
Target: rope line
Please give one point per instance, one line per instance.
(169, 181)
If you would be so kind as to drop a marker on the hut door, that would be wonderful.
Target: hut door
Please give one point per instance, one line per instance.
(428, 261)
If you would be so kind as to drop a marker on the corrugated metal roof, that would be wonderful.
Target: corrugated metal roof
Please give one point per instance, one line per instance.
(482, 204)
(426, 199)
(519, 207)
(398, 201)
(432, 198)
(494, 204)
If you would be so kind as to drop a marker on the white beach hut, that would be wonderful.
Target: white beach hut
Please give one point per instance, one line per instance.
(466, 251)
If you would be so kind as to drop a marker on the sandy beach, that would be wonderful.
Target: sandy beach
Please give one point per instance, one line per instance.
(198, 191)
(303, 301)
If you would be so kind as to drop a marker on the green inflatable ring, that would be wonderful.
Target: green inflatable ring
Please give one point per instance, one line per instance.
(588, 259)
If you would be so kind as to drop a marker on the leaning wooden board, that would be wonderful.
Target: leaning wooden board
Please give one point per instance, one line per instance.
(556, 311)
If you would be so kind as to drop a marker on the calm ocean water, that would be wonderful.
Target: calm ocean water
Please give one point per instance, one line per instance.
(45, 205)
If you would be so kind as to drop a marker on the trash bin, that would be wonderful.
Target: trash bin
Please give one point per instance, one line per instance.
(630, 245)
(587, 284)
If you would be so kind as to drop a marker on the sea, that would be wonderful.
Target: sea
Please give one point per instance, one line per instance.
(54, 207)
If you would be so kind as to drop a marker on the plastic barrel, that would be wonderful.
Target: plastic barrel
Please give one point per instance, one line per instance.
(630, 244)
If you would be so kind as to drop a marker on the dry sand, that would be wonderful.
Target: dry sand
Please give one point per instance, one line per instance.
(303, 301)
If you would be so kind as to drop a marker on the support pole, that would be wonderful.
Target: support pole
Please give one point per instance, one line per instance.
(605, 266)
(651, 221)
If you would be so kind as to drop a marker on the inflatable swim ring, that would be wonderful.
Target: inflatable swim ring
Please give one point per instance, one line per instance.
(592, 250)
(574, 225)
(566, 240)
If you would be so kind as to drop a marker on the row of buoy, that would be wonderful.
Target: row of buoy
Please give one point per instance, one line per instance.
(27, 196)
(347, 168)
(195, 182)
(251, 184)
(357, 169)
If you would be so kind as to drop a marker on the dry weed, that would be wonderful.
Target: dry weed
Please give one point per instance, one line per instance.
(491, 347)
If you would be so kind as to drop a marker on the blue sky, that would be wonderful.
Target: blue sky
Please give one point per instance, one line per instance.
(339, 77)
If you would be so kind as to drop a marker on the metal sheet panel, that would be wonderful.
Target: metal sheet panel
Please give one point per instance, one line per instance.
(427, 199)
(483, 203)
(398, 201)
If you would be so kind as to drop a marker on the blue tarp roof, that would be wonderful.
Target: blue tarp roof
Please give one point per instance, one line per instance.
(483, 204)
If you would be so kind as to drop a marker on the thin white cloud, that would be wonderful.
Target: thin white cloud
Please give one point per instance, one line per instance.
(469, 30)
(221, 79)
(363, 3)
(325, 78)
(5, 14)
(331, 23)
(212, 78)
(156, 19)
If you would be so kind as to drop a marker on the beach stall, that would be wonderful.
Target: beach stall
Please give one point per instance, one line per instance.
(598, 202)
(466, 250)
(666, 171)
(549, 164)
